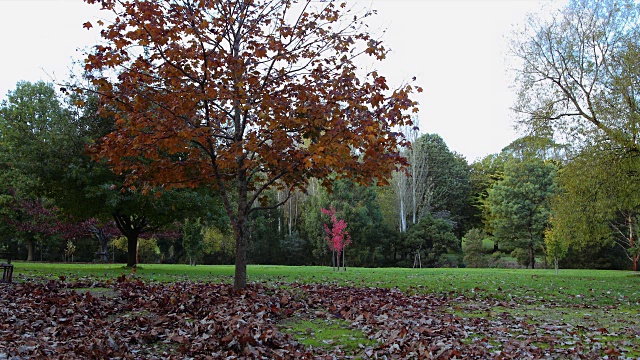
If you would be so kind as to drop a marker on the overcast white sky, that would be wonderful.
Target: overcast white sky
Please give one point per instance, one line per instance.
(455, 48)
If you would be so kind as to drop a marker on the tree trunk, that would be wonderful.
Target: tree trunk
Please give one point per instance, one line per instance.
(241, 230)
(104, 251)
(240, 277)
(290, 216)
(344, 266)
(132, 250)
(532, 258)
(103, 239)
(333, 260)
(242, 178)
(30, 250)
(403, 217)
(238, 220)
(634, 258)
(414, 197)
(131, 227)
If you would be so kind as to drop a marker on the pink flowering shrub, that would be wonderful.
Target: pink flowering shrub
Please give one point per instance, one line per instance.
(337, 236)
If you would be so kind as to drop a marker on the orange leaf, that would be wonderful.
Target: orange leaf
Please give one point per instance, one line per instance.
(87, 25)
(261, 52)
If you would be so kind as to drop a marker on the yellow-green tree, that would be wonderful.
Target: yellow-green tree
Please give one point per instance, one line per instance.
(599, 201)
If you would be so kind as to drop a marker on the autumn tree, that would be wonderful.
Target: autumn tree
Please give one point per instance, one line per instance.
(247, 96)
(336, 236)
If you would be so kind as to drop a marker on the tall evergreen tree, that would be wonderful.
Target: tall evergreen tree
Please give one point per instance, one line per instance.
(521, 204)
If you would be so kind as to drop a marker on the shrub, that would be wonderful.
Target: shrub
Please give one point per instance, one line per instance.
(522, 256)
(473, 251)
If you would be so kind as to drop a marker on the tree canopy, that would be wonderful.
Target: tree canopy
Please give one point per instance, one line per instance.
(579, 81)
(599, 201)
(520, 204)
(245, 95)
(579, 73)
(437, 180)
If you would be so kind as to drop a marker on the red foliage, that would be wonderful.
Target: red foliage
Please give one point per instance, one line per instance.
(337, 236)
(32, 216)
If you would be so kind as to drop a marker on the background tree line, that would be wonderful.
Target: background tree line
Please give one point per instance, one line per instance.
(58, 204)
(564, 194)
(58, 200)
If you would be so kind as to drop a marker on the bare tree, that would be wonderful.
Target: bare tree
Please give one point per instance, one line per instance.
(410, 186)
(579, 72)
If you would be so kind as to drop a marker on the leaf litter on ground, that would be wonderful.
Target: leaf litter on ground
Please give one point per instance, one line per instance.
(84, 319)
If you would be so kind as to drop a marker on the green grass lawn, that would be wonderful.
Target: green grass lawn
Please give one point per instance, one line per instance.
(524, 286)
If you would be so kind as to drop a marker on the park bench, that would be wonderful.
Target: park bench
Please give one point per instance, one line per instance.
(7, 268)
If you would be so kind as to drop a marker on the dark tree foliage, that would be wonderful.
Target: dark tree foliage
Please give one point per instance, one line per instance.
(597, 255)
(474, 254)
(432, 238)
(520, 204)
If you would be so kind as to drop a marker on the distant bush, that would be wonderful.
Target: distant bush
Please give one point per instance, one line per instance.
(500, 260)
(472, 248)
(452, 260)
(522, 256)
